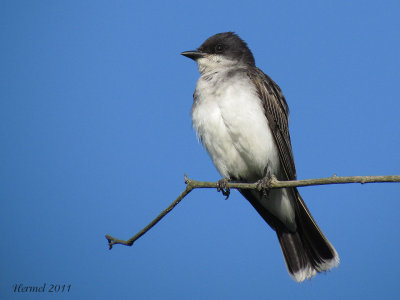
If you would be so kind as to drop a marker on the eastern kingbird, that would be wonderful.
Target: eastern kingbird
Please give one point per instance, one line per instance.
(241, 117)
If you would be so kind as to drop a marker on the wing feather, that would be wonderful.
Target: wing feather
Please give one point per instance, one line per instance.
(277, 113)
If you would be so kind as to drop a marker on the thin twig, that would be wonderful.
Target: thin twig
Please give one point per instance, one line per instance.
(273, 184)
(112, 241)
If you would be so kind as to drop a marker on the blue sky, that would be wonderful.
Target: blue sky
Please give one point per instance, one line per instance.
(96, 136)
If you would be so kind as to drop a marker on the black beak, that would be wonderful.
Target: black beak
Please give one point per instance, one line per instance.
(195, 55)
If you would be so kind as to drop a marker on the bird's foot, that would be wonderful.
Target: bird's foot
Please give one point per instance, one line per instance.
(264, 184)
(222, 186)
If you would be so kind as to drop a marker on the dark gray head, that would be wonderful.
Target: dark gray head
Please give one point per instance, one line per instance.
(221, 50)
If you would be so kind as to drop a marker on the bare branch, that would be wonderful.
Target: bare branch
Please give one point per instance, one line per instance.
(273, 183)
(112, 241)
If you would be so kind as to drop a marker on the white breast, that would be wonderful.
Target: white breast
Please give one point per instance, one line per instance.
(230, 121)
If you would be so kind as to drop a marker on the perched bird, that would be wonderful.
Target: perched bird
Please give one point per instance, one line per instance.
(241, 117)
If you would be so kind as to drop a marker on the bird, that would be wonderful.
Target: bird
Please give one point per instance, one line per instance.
(241, 117)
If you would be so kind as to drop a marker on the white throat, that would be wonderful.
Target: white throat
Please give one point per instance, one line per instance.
(215, 62)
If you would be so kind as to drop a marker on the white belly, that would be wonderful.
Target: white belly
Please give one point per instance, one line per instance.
(234, 129)
(229, 119)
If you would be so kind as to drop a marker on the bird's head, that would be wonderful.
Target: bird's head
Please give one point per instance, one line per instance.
(222, 50)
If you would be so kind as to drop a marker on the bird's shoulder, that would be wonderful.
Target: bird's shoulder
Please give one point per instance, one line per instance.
(268, 89)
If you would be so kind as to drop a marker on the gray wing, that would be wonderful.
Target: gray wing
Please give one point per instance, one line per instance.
(277, 113)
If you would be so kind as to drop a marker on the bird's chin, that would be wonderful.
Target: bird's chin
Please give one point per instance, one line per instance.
(214, 63)
(205, 65)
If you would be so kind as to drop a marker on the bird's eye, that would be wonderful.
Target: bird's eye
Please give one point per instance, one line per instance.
(219, 48)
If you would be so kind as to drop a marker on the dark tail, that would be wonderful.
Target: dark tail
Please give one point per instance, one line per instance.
(306, 251)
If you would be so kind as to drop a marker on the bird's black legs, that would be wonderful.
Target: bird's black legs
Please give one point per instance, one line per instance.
(264, 183)
(222, 186)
